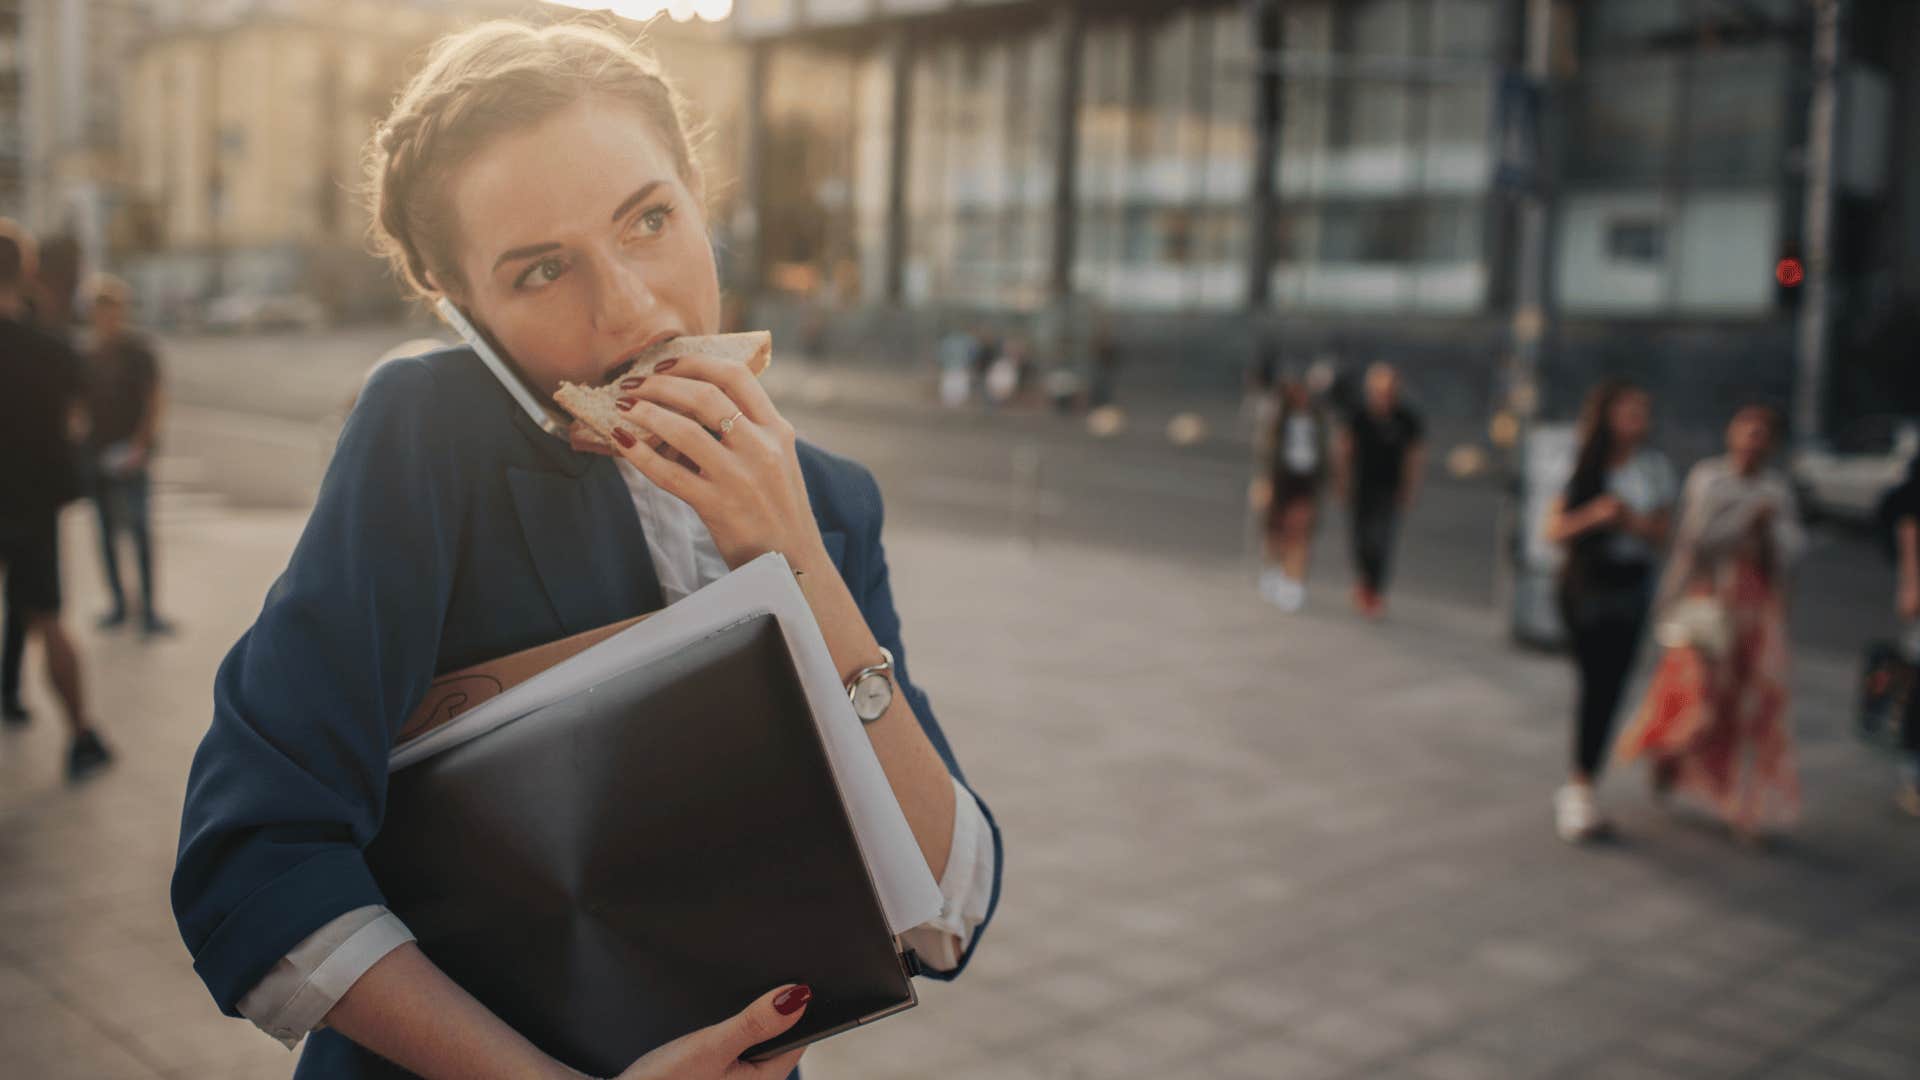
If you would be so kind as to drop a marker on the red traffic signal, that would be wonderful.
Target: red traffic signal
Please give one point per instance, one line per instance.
(1789, 272)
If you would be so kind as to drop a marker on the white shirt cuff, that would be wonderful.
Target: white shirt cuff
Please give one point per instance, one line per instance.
(296, 996)
(966, 887)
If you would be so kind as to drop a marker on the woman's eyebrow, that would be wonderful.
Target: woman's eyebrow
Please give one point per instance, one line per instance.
(634, 199)
(523, 252)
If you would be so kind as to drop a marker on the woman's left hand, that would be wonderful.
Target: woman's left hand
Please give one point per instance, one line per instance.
(745, 482)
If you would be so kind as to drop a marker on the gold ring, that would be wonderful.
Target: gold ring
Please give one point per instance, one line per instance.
(727, 424)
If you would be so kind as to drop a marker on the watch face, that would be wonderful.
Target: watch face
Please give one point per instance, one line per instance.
(871, 696)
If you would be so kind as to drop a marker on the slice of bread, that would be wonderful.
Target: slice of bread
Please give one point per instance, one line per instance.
(594, 408)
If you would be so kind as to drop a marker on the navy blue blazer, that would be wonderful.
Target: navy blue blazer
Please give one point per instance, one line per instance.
(449, 530)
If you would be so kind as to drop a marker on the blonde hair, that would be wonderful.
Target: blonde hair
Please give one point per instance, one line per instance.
(496, 77)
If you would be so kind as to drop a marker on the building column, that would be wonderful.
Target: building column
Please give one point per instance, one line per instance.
(1262, 208)
(899, 48)
(749, 215)
(1810, 376)
(1066, 151)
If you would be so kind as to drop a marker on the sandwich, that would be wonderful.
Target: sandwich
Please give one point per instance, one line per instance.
(597, 417)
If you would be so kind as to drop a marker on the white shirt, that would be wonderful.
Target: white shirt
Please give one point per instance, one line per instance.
(1644, 484)
(296, 995)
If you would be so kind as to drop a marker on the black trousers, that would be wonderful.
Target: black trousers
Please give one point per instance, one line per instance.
(1376, 519)
(13, 648)
(1604, 625)
(122, 504)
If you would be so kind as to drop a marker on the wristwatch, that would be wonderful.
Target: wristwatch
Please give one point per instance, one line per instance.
(871, 689)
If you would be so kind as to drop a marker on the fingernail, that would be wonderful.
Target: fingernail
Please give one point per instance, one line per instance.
(665, 365)
(793, 1000)
(625, 403)
(624, 437)
(632, 383)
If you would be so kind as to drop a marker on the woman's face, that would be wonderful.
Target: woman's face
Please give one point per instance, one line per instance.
(581, 244)
(1629, 416)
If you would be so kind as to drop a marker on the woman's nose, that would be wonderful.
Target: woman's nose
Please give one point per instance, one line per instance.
(626, 299)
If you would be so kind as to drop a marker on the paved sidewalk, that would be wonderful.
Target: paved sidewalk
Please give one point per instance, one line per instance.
(1241, 845)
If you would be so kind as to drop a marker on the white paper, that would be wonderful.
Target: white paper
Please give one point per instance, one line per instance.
(908, 893)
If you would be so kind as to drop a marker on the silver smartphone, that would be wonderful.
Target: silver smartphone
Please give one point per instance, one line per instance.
(549, 420)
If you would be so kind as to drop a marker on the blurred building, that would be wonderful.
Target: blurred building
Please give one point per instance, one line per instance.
(244, 123)
(13, 142)
(61, 78)
(1329, 177)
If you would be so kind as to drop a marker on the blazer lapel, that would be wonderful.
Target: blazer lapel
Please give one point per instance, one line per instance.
(587, 545)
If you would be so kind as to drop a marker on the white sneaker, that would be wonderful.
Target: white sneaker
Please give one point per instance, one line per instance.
(1576, 815)
(1271, 584)
(1290, 595)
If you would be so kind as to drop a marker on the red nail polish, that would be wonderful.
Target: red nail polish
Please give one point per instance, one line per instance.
(625, 403)
(793, 1000)
(666, 365)
(624, 437)
(632, 383)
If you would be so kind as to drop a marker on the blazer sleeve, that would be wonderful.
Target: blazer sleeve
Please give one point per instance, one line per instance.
(875, 594)
(289, 783)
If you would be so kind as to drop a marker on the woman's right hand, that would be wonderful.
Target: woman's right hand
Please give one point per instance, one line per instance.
(713, 1053)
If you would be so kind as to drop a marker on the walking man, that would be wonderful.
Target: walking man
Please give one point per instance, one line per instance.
(123, 399)
(1380, 458)
(39, 398)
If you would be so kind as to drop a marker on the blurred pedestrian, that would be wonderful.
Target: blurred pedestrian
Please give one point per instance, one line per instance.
(1006, 376)
(954, 355)
(1378, 463)
(1903, 511)
(40, 401)
(49, 306)
(1613, 520)
(1104, 383)
(123, 402)
(1714, 722)
(1295, 449)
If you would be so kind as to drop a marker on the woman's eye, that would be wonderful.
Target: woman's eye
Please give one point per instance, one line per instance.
(542, 272)
(654, 221)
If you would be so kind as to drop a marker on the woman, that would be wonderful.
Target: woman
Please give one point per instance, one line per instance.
(1296, 452)
(542, 180)
(1714, 722)
(1613, 519)
(1900, 509)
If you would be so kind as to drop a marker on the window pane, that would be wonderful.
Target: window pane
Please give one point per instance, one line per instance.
(1366, 233)
(1622, 120)
(1629, 22)
(1450, 232)
(1383, 27)
(1736, 103)
(1465, 29)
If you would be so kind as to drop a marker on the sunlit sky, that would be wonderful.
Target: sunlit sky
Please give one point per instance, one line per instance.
(678, 10)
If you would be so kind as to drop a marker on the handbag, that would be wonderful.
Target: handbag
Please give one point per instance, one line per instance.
(1887, 682)
(1696, 622)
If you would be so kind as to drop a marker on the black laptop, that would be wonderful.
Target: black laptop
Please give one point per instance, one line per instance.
(645, 858)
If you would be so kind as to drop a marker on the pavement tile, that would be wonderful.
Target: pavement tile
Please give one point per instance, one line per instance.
(1459, 1062)
(1863, 1058)
(1277, 1058)
(1225, 883)
(1703, 1050)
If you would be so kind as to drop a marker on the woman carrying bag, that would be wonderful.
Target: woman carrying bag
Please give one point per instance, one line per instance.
(1714, 722)
(541, 180)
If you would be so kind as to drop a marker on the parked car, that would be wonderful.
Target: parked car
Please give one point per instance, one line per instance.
(252, 312)
(1843, 477)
